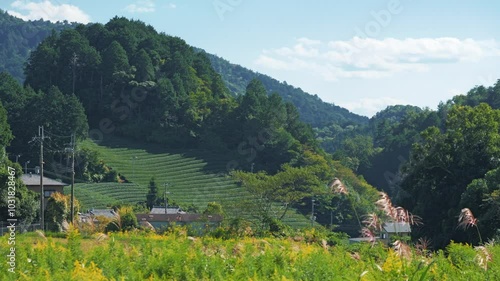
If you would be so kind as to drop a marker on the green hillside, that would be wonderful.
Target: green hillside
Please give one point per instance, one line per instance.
(193, 176)
(102, 195)
(18, 38)
(312, 109)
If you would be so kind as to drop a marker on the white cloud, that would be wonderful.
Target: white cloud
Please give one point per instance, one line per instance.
(172, 6)
(48, 11)
(370, 106)
(375, 58)
(141, 6)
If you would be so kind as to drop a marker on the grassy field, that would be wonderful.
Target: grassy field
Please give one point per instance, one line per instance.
(175, 256)
(193, 177)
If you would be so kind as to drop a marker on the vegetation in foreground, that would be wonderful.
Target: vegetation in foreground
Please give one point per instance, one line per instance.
(175, 256)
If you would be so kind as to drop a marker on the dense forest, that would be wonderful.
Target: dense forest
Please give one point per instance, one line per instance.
(18, 38)
(126, 79)
(432, 162)
(137, 83)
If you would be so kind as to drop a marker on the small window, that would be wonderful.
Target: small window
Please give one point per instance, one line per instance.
(48, 193)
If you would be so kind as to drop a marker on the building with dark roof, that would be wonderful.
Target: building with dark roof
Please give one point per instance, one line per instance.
(32, 182)
(389, 229)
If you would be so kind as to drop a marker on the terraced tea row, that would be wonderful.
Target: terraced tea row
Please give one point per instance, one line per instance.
(192, 177)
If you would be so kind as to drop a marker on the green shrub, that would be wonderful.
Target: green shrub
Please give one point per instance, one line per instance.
(139, 255)
(461, 256)
(124, 220)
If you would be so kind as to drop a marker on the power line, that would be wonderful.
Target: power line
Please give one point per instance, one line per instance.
(58, 136)
(41, 137)
(51, 147)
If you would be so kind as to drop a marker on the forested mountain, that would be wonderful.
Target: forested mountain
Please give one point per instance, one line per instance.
(312, 109)
(18, 38)
(155, 87)
(393, 132)
(126, 79)
(135, 82)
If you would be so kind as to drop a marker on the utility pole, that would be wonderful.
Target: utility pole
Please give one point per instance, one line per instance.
(72, 148)
(41, 135)
(166, 201)
(41, 138)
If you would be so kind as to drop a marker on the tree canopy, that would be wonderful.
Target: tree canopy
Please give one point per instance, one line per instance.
(436, 182)
(19, 38)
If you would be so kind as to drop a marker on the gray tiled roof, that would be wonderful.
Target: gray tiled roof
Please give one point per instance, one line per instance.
(171, 210)
(398, 227)
(109, 213)
(34, 180)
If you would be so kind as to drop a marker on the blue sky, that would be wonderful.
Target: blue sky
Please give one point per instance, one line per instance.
(363, 55)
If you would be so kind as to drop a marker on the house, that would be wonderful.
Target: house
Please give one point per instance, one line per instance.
(389, 229)
(32, 182)
(107, 213)
(392, 229)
